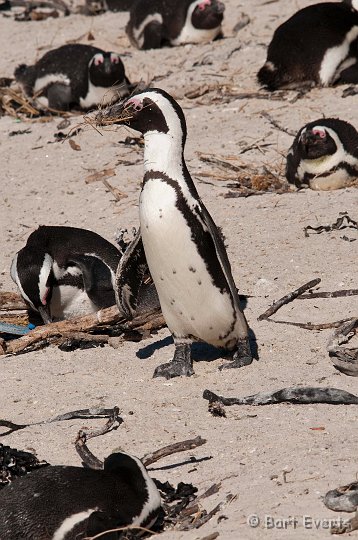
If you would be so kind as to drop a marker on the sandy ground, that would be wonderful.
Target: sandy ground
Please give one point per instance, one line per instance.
(43, 182)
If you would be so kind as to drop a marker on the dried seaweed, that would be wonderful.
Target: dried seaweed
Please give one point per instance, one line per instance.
(14, 463)
(342, 222)
(344, 359)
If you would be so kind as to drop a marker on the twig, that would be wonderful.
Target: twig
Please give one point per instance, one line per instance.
(275, 124)
(310, 326)
(181, 446)
(288, 298)
(328, 294)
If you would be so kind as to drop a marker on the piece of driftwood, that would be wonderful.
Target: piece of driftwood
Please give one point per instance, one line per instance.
(89, 459)
(10, 301)
(296, 394)
(143, 323)
(343, 499)
(95, 412)
(345, 359)
(276, 125)
(288, 298)
(342, 222)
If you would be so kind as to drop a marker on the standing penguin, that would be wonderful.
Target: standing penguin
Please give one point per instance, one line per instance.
(185, 253)
(154, 23)
(74, 75)
(65, 272)
(317, 45)
(324, 155)
(73, 503)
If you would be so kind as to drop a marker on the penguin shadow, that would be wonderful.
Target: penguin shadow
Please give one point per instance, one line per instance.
(200, 351)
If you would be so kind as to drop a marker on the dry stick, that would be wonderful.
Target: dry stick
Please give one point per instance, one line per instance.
(310, 326)
(10, 301)
(288, 298)
(108, 316)
(329, 294)
(275, 124)
(181, 446)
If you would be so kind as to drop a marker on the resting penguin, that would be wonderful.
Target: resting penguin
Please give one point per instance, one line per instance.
(324, 155)
(74, 75)
(185, 253)
(317, 45)
(73, 503)
(64, 272)
(154, 23)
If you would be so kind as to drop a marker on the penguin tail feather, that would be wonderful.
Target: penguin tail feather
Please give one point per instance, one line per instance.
(269, 76)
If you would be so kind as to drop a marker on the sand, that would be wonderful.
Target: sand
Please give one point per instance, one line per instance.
(43, 182)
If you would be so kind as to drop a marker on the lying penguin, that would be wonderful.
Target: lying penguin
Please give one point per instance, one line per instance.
(324, 155)
(185, 253)
(317, 45)
(74, 76)
(73, 503)
(65, 272)
(169, 22)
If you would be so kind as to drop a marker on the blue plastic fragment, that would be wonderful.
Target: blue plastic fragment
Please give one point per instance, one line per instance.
(6, 328)
(31, 326)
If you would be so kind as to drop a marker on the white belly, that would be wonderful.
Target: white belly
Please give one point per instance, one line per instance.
(68, 301)
(192, 305)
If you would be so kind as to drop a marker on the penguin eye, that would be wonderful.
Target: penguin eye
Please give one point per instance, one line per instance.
(114, 58)
(203, 5)
(98, 59)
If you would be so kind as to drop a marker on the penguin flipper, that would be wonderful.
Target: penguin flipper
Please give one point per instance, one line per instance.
(59, 96)
(99, 522)
(129, 276)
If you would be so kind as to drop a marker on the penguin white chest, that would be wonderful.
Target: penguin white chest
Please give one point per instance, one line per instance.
(68, 302)
(191, 303)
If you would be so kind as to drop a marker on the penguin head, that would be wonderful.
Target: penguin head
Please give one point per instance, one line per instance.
(32, 272)
(316, 142)
(151, 112)
(353, 4)
(106, 69)
(207, 14)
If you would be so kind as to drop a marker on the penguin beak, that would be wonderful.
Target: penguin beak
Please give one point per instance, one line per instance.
(310, 138)
(107, 66)
(45, 314)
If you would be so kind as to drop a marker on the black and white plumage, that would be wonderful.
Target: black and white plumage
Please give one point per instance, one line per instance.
(154, 23)
(324, 155)
(185, 253)
(74, 76)
(118, 5)
(63, 272)
(73, 503)
(317, 45)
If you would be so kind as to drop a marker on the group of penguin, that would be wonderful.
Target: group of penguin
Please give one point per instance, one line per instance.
(63, 272)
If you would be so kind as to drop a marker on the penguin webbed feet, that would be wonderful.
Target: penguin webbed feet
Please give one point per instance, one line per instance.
(181, 365)
(242, 355)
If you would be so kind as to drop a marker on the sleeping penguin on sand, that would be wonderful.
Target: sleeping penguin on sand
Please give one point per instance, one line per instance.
(76, 75)
(154, 23)
(178, 238)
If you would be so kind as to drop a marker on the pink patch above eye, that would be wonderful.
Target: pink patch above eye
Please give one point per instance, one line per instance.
(98, 59)
(114, 58)
(44, 299)
(136, 104)
(319, 132)
(203, 4)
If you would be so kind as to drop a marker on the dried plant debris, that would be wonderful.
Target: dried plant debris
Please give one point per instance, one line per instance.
(296, 394)
(216, 409)
(95, 412)
(342, 222)
(344, 499)
(344, 359)
(15, 463)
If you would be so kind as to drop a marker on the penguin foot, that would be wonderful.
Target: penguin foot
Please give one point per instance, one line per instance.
(181, 364)
(242, 356)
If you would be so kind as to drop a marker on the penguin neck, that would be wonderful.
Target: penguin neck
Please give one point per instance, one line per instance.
(164, 153)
